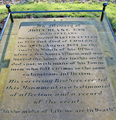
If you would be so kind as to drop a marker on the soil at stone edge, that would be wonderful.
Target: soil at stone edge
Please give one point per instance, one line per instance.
(2, 22)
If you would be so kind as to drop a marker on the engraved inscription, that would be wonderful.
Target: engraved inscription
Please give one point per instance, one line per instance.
(57, 72)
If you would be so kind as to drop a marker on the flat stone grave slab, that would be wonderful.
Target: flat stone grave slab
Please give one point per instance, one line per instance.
(58, 71)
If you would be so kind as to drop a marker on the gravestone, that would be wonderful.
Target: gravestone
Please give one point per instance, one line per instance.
(58, 71)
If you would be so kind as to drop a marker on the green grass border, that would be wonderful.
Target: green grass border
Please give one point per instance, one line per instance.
(33, 6)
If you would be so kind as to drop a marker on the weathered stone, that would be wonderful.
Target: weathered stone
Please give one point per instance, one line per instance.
(59, 70)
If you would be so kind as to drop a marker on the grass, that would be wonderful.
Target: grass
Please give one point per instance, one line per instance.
(110, 10)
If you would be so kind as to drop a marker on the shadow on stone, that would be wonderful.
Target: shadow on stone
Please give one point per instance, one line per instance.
(5, 63)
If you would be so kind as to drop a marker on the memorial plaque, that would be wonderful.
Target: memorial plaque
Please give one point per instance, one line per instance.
(58, 72)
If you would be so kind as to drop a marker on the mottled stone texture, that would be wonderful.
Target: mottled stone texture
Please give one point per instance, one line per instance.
(60, 69)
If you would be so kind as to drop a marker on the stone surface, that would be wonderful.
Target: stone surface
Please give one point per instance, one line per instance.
(61, 69)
